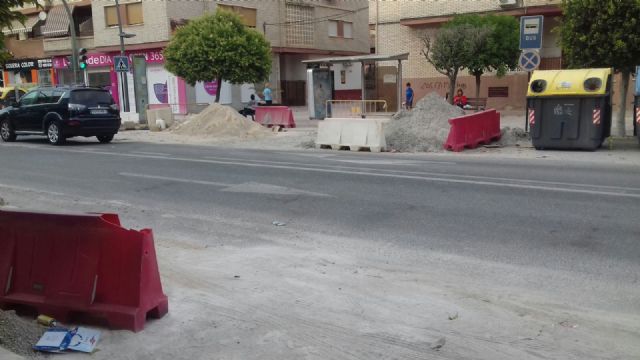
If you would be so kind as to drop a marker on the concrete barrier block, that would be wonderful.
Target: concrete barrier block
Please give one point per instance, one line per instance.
(329, 132)
(166, 115)
(129, 125)
(353, 133)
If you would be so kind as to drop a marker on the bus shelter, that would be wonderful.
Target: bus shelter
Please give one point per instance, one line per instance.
(321, 103)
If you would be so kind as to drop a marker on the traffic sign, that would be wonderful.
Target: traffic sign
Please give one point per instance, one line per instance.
(121, 63)
(531, 32)
(529, 60)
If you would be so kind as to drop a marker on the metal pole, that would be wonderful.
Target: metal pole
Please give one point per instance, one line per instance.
(124, 82)
(74, 44)
(363, 94)
(399, 85)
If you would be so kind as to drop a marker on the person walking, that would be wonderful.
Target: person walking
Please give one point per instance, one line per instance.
(266, 94)
(409, 97)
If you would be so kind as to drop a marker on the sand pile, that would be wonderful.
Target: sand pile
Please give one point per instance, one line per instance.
(220, 121)
(514, 137)
(424, 128)
(19, 335)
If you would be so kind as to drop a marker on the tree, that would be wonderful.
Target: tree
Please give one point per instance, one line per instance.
(603, 33)
(501, 49)
(218, 47)
(7, 16)
(452, 50)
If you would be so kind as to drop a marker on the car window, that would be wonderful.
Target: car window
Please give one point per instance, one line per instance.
(90, 97)
(58, 94)
(49, 96)
(30, 98)
(11, 96)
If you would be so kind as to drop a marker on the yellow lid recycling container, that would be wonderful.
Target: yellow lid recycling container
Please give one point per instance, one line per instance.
(569, 109)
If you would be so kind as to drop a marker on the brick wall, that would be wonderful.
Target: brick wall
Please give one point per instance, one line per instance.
(394, 38)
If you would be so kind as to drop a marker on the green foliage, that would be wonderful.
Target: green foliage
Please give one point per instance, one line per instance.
(218, 47)
(7, 16)
(501, 48)
(453, 49)
(601, 33)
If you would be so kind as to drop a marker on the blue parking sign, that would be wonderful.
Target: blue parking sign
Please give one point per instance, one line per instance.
(531, 32)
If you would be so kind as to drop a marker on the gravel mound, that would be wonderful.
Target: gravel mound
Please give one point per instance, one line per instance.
(19, 335)
(424, 128)
(220, 121)
(514, 137)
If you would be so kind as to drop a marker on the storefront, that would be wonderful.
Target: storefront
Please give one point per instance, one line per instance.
(162, 87)
(28, 72)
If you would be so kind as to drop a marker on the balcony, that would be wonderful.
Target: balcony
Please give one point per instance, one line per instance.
(62, 46)
(28, 48)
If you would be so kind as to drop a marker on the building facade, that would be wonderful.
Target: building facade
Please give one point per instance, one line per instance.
(297, 30)
(399, 26)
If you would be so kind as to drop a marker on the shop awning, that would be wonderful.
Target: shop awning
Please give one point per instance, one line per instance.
(17, 27)
(57, 22)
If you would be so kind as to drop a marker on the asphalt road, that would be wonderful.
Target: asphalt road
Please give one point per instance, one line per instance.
(571, 217)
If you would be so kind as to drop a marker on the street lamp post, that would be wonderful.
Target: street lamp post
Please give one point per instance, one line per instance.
(124, 82)
(74, 44)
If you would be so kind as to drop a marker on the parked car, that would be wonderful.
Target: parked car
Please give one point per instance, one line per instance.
(61, 113)
(8, 95)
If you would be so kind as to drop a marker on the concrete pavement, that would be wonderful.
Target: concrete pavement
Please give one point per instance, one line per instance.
(549, 228)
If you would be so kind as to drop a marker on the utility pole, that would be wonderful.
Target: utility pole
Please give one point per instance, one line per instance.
(74, 44)
(124, 82)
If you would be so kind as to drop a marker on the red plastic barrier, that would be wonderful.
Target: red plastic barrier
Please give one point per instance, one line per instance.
(69, 266)
(275, 116)
(474, 129)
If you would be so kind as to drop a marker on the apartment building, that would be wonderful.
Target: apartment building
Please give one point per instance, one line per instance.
(399, 26)
(297, 30)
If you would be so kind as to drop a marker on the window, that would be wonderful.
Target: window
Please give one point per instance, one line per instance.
(499, 91)
(110, 16)
(29, 99)
(44, 77)
(333, 28)
(131, 14)
(341, 29)
(301, 27)
(49, 96)
(134, 13)
(347, 30)
(248, 15)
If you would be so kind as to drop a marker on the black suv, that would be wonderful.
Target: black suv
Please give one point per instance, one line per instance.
(61, 113)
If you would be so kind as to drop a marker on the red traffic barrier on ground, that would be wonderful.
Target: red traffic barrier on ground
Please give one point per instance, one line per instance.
(471, 130)
(275, 116)
(77, 267)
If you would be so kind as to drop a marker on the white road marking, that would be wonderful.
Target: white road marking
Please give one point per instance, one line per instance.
(448, 178)
(150, 153)
(249, 187)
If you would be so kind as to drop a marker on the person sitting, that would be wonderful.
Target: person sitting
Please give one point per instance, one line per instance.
(250, 109)
(460, 100)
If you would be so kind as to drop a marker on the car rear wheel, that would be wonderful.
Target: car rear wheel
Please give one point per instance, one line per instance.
(105, 139)
(6, 131)
(54, 133)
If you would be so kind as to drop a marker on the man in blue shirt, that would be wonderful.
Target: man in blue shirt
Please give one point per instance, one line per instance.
(266, 94)
(409, 97)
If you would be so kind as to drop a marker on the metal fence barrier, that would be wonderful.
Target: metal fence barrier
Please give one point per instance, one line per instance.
(355, 108)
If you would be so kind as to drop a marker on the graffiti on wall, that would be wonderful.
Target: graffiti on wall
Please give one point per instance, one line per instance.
(440, 85)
